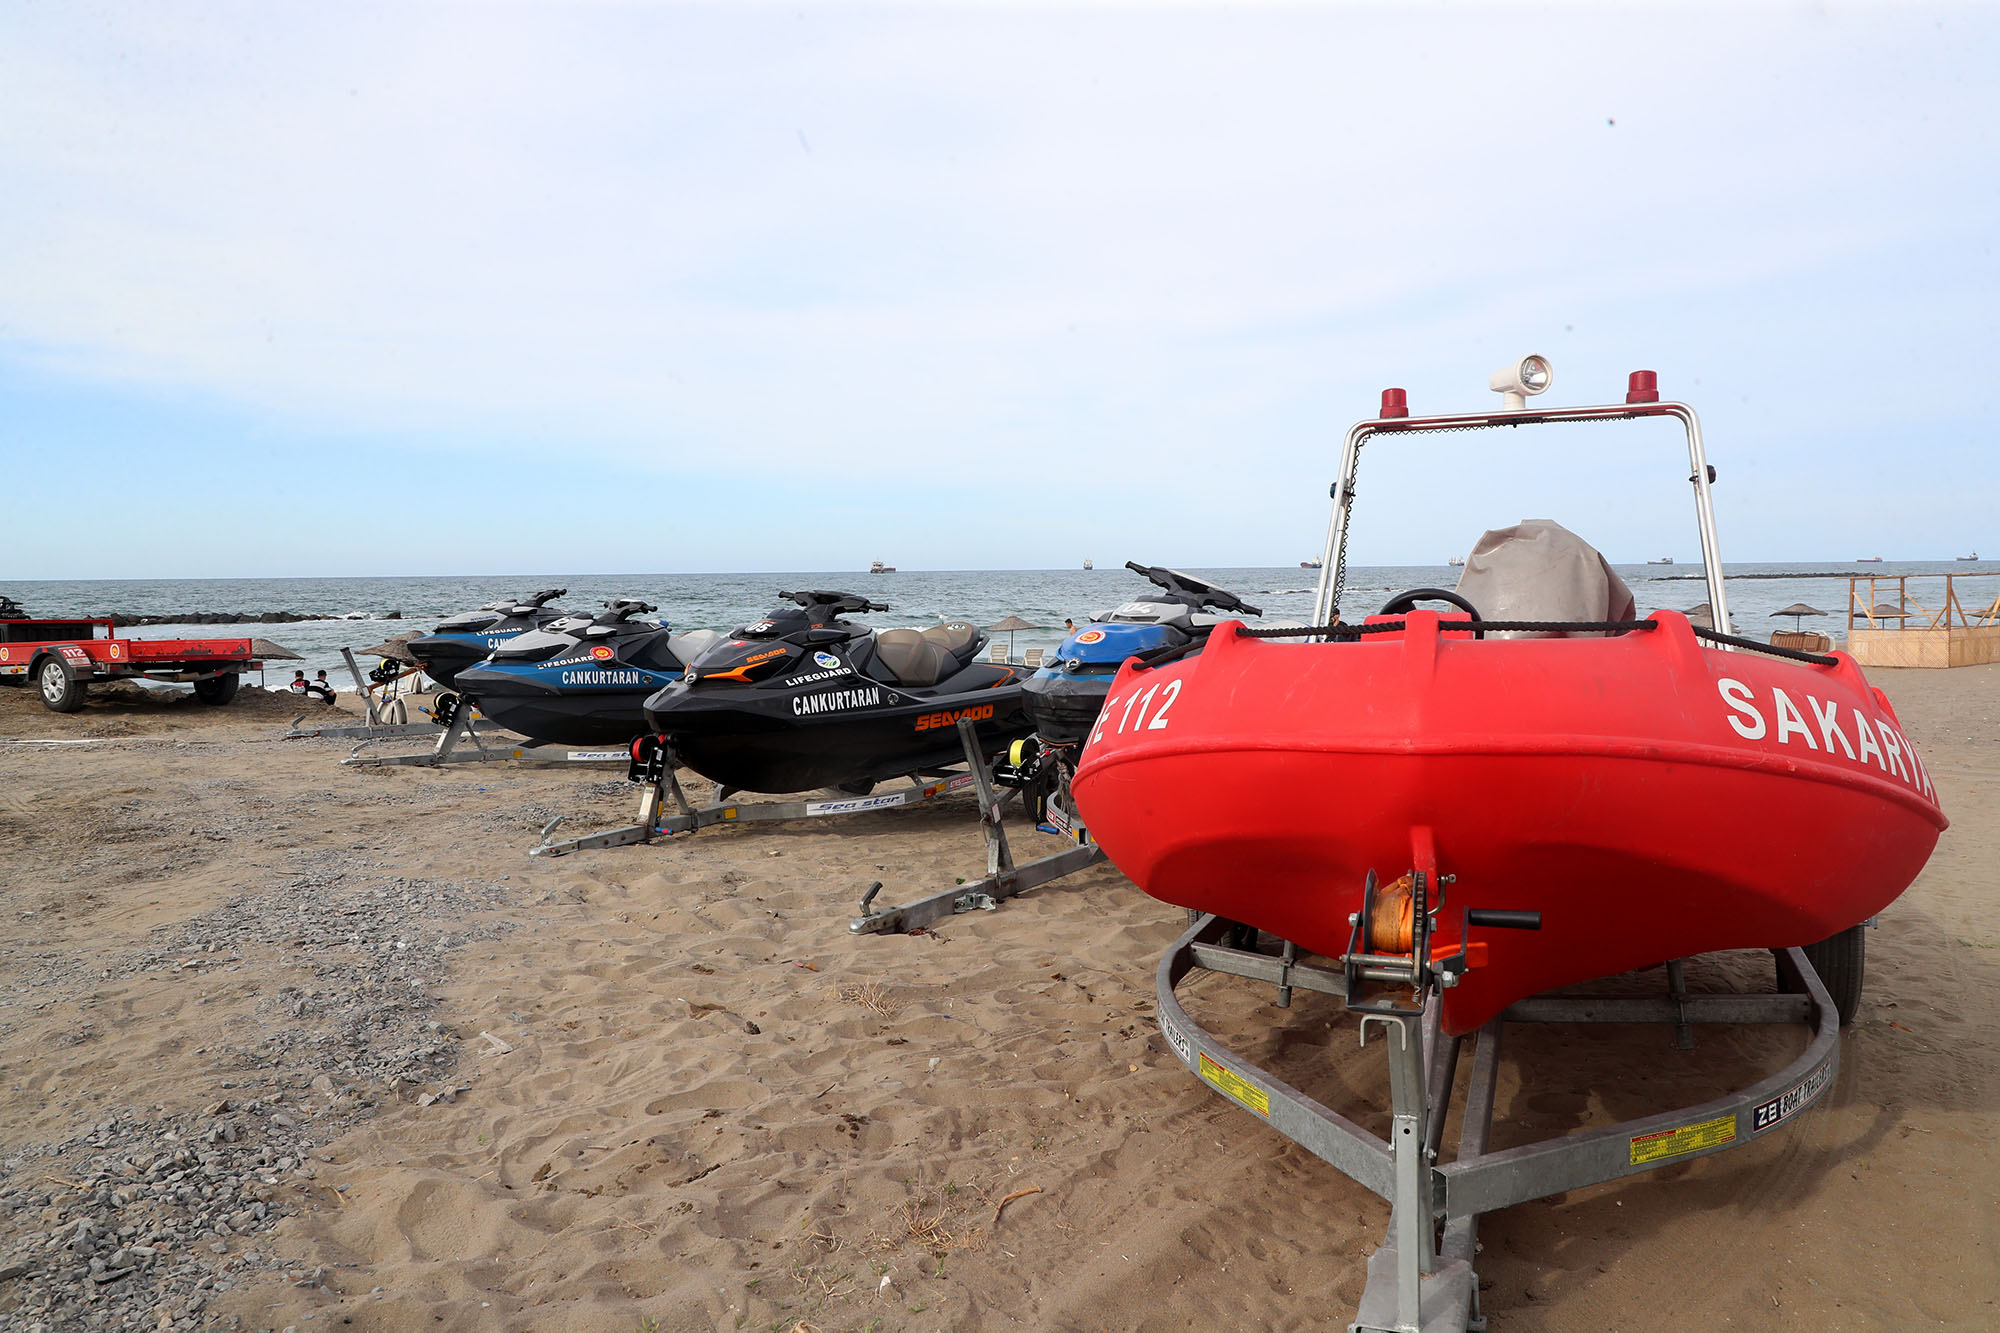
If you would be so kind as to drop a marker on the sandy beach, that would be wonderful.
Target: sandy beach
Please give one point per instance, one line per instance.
(287, 1045)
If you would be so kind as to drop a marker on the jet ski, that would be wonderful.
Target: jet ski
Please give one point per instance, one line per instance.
(586, 684)
(460, 640)
(1065, 696)
(803, 699)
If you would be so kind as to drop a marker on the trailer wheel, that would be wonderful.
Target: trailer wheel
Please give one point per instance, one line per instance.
(61, 690)
(217, 690)
(1841, 961)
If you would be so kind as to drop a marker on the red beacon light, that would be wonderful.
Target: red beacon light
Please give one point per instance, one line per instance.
(1395, 403)
(1643, 387)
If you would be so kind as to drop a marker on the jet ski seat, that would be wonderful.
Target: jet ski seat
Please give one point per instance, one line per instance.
(957, 638)
(692, 644)
(912, 657)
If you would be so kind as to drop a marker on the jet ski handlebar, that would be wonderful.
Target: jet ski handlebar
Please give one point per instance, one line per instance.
(819, 599)
(624, 607)
(1197, 592)
(544, 597)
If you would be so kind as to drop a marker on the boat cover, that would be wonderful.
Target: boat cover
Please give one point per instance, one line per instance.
(1540, 570)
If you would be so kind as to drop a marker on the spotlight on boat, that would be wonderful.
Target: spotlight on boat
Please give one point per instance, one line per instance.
(1518, 380)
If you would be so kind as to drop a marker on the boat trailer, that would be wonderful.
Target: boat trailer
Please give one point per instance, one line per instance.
(1421, 1280)
(652, 761)
(460, 723)
(665, 810)
(1040, 776)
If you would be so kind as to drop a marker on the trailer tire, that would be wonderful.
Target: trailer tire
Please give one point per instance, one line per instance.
(1841, 961)
(60, 688)
(217, 690)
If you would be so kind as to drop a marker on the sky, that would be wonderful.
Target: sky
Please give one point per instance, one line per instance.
(320, 290)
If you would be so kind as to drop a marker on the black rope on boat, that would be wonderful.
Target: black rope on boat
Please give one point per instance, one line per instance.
(1502, 626)
(1351, 632)
(1817, 659)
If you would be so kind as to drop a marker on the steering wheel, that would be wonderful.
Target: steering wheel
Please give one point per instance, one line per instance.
(1407, 601)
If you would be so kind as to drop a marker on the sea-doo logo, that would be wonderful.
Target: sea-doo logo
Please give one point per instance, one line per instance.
(835, 701)
(601, 652)
(1091, 636)
(950, 717)
(621, 677)
(816, 808)
(827, 660)
(1894, 755)
(766, 656)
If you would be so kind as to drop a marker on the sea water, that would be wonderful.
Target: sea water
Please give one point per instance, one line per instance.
(1043, 597)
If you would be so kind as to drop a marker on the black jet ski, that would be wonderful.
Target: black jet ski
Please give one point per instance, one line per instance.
(460, 640)
(804, 699)
(1066, 695)
(586, 684)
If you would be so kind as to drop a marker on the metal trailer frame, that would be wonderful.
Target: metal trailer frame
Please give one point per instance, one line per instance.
(376, 727)
(463, 726)
(1422, 1280)
(1004, 879)
(688, 817)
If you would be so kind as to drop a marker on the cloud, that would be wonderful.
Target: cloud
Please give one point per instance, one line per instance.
(923, 238)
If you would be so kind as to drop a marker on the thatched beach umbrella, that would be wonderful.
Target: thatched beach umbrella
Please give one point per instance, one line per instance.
(396, 647)
(1889, 611)
(1798, 611)
(1011, 624)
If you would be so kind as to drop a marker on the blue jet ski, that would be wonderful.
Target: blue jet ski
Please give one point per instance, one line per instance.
(460, 640)
(584, 684)
(1066, 695)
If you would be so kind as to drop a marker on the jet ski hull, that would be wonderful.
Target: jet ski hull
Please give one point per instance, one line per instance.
(759, 740)
(443, 656)
(1064, 705)
(602, 717)
(588, 696)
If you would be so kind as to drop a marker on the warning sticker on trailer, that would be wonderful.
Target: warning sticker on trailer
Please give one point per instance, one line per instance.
(1782, 1108)
(1236, 1089)
(1680, 1142)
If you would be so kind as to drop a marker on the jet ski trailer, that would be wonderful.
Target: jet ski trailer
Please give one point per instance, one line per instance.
(388, 718)
(665, 810)
(462, 722)
(654, 764)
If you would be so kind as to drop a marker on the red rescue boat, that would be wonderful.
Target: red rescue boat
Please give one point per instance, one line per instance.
(1653, 790)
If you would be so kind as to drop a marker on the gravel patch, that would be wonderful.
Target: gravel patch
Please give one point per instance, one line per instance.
(139, 1220)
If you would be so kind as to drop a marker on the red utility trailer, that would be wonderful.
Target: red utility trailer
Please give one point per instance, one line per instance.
(63, 658)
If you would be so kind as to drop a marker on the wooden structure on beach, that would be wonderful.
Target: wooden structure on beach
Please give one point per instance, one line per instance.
(1962, 629)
